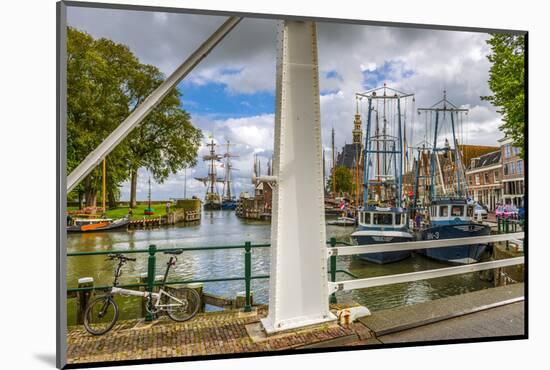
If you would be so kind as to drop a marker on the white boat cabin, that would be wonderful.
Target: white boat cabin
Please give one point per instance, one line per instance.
(382, 217)
(451, 212)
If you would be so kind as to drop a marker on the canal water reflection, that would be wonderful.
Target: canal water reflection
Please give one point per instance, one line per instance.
(224, 228)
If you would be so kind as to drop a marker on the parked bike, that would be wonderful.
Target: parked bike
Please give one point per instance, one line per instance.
(179, 304)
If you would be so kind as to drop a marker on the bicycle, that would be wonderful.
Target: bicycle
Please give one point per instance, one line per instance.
(180, 305)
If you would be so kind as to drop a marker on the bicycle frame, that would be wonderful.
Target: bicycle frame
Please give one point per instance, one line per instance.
(155, 296)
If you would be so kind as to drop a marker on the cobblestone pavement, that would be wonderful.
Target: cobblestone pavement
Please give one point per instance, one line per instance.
(207, 334)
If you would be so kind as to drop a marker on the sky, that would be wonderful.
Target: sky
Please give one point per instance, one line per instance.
(231, 94)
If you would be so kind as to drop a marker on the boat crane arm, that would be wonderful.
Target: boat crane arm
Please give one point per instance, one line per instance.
(134, 119)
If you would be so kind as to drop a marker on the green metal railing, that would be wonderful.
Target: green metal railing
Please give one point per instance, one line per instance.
(507, 225)
(247, 278)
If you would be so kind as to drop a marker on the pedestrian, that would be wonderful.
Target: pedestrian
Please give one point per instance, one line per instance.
(418, 220)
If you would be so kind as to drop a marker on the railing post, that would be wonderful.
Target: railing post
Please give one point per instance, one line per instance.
(499, 225)
(83, 298)
(151, 275)
(506, 225)
(333, 269)
(247, 275)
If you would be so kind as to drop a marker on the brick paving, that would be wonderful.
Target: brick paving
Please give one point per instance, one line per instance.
(207, 334)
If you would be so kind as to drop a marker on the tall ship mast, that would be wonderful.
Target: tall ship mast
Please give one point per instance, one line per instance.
(228, 197)
(450, 211)
(382, 218)
(212, 199)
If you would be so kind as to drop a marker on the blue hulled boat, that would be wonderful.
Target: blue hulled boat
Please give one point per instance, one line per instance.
(383, 225)
(451, 215)
(382, 219)
(453, 218)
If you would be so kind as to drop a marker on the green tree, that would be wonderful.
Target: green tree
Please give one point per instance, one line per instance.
(105, 83)
(506, 81)
(96, 103)
(166, 141)
(344, 180)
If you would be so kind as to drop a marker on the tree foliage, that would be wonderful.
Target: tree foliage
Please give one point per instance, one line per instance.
(506, 81)
(344, 180)
(105, 83)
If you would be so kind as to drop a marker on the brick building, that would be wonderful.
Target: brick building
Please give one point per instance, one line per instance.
(485, 179)
(512, 173)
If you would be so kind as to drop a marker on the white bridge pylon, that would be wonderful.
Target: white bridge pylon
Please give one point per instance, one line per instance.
(298, 291)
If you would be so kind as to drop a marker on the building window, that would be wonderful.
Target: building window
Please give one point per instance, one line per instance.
(507, 151)
(520, 166)
(512, 168)
(505, 169)
(477, 179)
(486, 178)
(496, 176)
(516, 150)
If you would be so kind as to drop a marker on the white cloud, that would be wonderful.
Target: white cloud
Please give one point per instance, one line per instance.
(423, 62)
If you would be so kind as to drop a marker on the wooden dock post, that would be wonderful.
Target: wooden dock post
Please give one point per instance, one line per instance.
(198, 287)
(83, 297)
(240, 300)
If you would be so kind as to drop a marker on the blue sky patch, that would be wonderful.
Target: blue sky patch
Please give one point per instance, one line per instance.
(386, 72)
(215, 100)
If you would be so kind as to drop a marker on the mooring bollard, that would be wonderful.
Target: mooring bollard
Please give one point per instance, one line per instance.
(151, 275)
(83, 297)
(247, 275)
(333, 269)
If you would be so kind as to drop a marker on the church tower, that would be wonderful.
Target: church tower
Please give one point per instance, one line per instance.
(357, 130)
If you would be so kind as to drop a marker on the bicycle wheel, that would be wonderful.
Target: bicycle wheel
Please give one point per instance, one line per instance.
(100, 315)
(182, 304)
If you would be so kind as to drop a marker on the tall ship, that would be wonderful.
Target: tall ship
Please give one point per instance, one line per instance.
(450, 211)
(212, 198)
(228, 197)
(382, 218)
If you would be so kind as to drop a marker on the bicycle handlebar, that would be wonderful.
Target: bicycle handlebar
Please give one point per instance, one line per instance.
(119, 256)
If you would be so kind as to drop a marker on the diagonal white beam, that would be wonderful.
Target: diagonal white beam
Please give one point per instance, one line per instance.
(134, 119)
(423, 244)
(421, 275)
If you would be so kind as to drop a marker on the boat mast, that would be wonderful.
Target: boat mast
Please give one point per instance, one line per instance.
(104, 185)
(391, 146)
(149, 195)
(333, 167)
(227, 176)
(444, 106)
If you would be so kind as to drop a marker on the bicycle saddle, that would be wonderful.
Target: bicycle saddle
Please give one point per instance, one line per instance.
(175, 251)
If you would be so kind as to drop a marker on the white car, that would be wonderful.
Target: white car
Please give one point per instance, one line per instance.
(480, 213)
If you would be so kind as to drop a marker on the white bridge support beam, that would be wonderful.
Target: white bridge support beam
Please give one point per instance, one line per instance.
(298, 293)
(134, 119)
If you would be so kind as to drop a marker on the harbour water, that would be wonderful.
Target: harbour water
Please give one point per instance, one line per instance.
(224, 228)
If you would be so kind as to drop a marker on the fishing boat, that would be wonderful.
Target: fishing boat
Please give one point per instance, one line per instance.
(451, 214)
(97, 224)
(382, 219)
